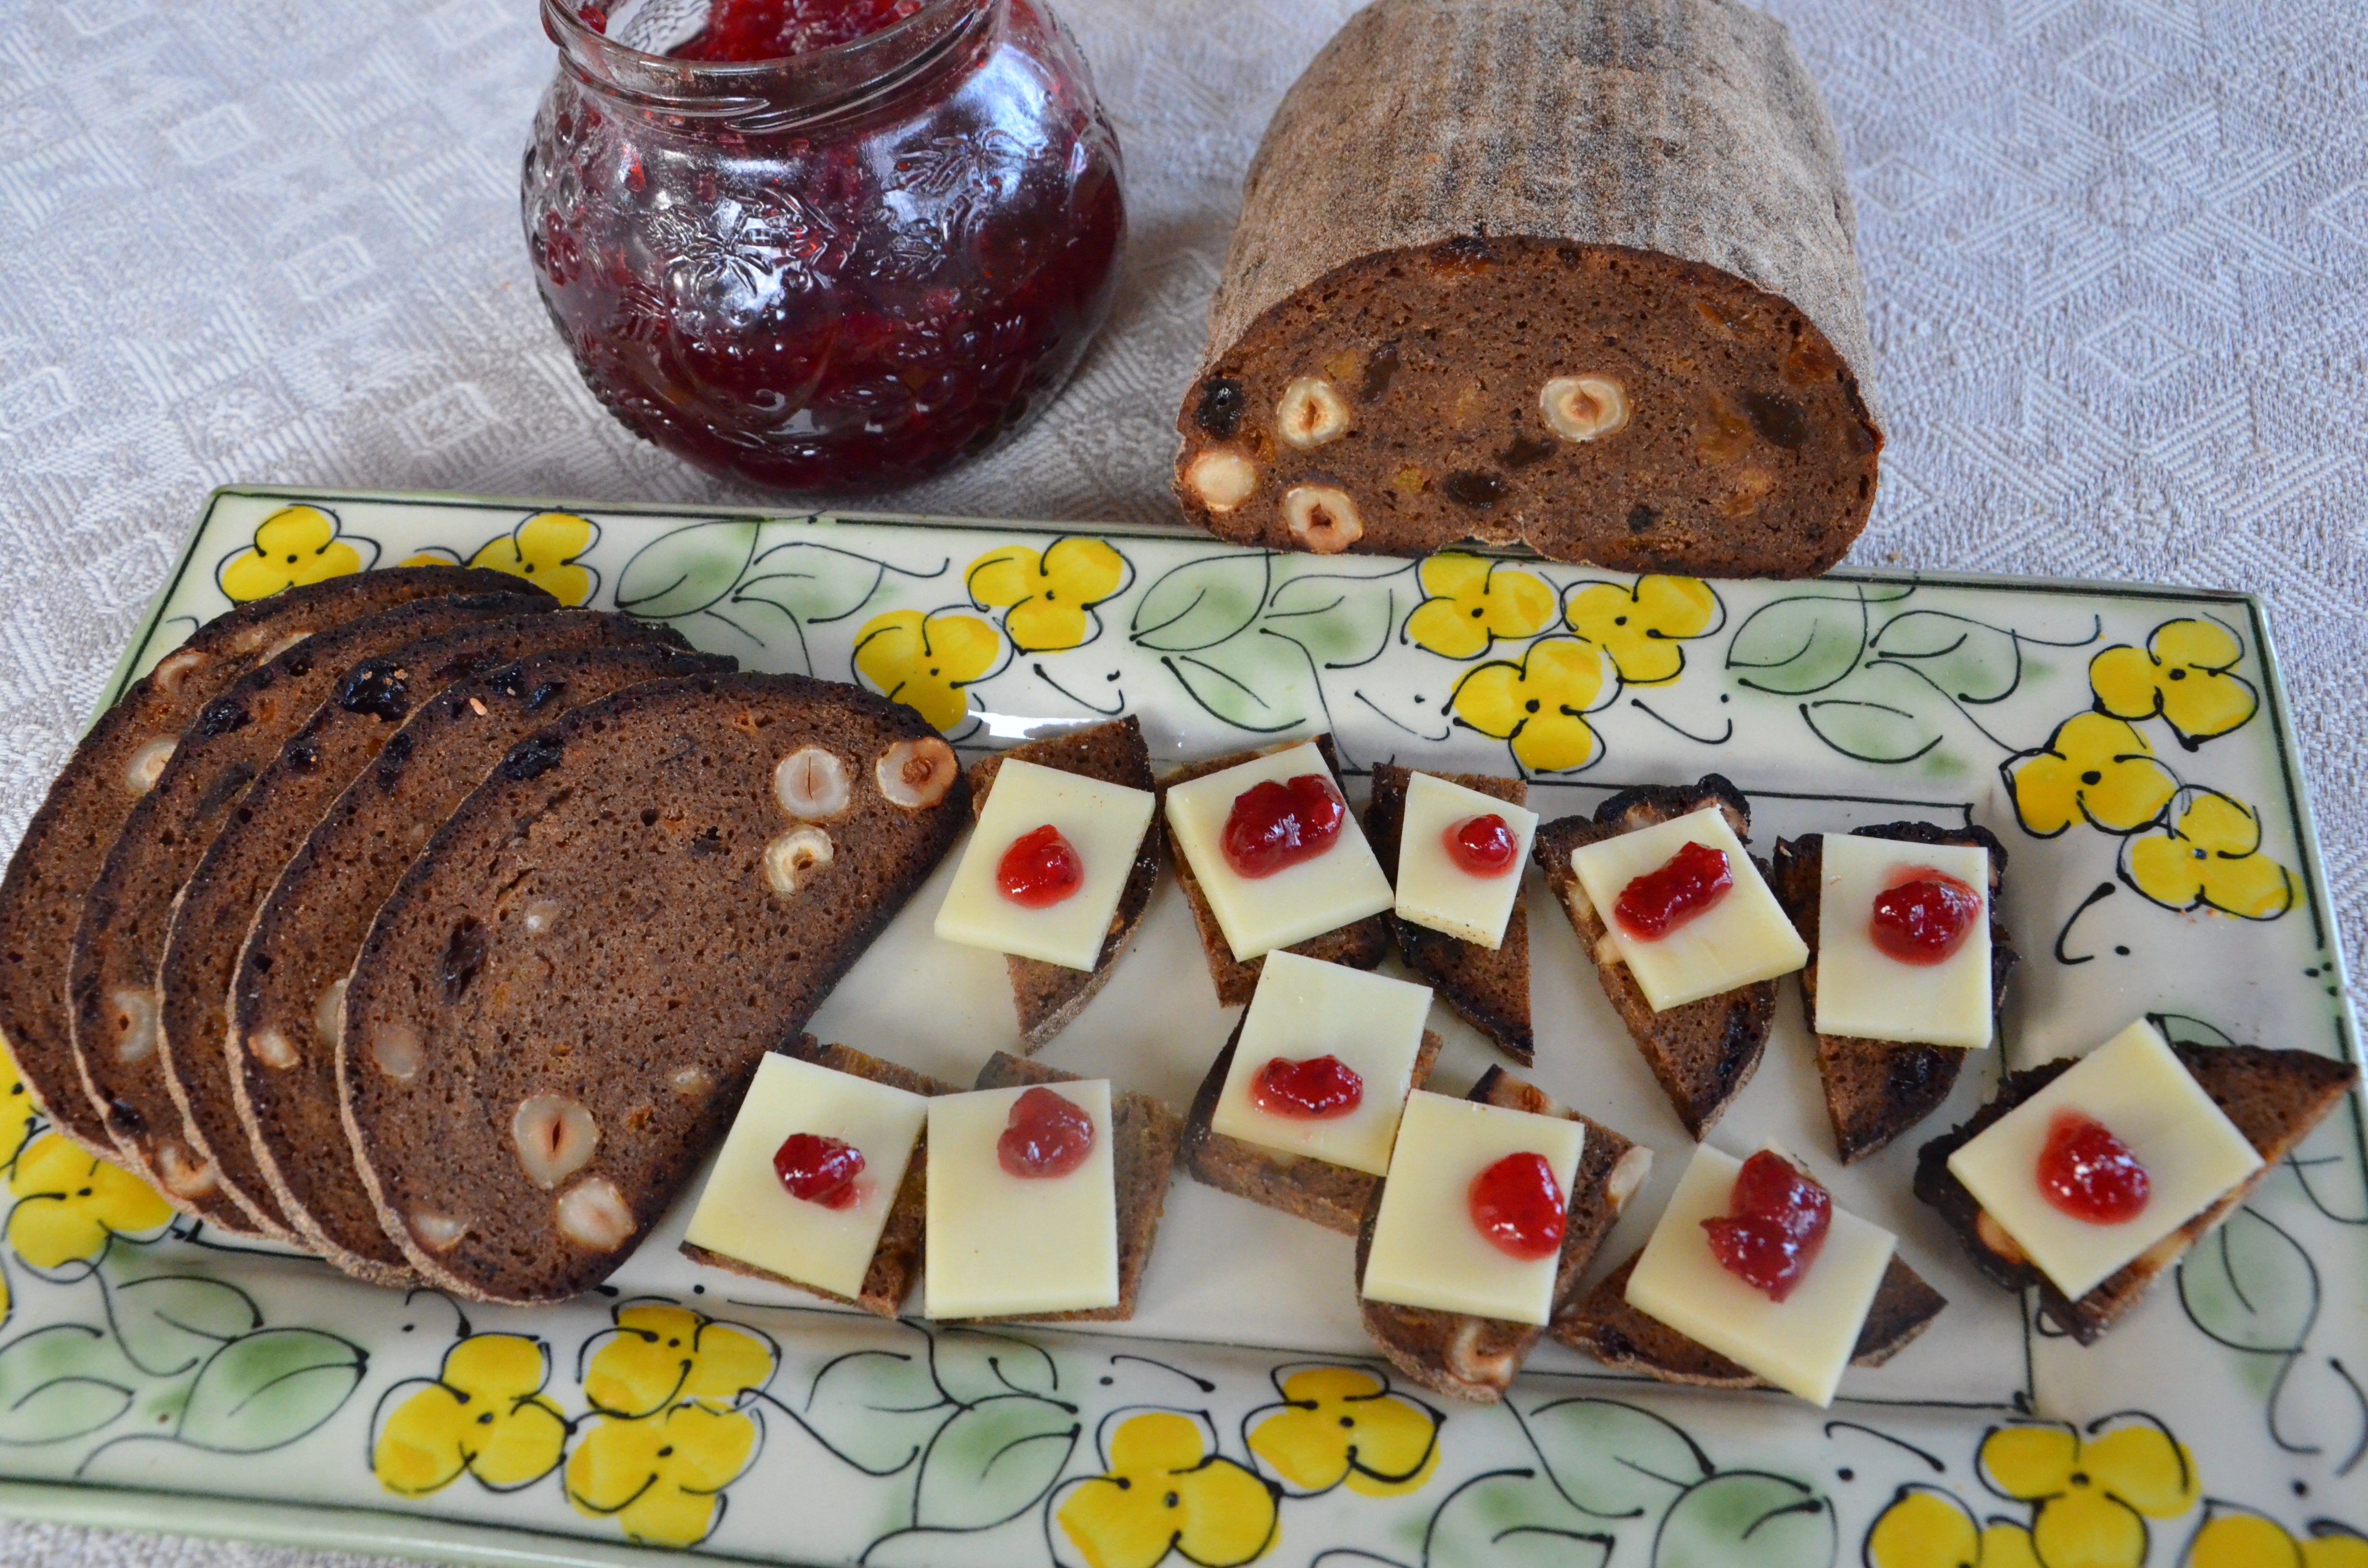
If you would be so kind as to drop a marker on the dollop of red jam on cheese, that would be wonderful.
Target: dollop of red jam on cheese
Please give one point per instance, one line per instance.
(1314, 1090)
(2089, 1174)
(1518, 1205)
(818, 1169)
(1276, 825)
(1924, 918)
(1775, 1222)
(1687, 885)
(1047, 1136)
(1041, 868)
(1483, 846)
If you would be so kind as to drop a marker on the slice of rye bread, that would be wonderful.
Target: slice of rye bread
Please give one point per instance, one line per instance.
(1703, 1052)
(1333, 1196)
(1361, 944)
(1877, 1089)
(1605, 1326)
(588, 960)
(289, 984)
(112, 980)
(187, 1096)
(1488, 987)
(1476, 1357)
(2275, 1097)
(118, 761)
(1144, 1136)
(1049, 996)
(896, 1261)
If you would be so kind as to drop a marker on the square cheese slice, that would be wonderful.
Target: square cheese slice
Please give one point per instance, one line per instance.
(1103, 823)
(1258, 914)
(1433, 890)
(1305, 1008)
(747, 1214)
(1427, 1252)
(1800, 1344)
(2139, 1089)
(1865, 994)
(999, 1245)
(1744, 937)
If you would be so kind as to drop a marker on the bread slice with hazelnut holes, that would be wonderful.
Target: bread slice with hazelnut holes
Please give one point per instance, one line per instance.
(1488, 987)
(559, 1007)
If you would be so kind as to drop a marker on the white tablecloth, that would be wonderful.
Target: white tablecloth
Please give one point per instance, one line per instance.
(2117, 255)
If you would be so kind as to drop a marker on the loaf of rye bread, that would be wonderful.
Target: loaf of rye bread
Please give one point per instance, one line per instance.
(287, 992)
(1361, 944)
(111, 978)
(2275, 1097)
(1332, 1196)
(1574, 273)
(117, 763)
(1877, 1089)
(1703, 1052)
(896, 1261)
(1488, 987)
(1049, 996)
(558, 1009)
(1476, 1358)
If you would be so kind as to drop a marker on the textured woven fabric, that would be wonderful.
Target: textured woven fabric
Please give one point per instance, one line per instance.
(2116, 256)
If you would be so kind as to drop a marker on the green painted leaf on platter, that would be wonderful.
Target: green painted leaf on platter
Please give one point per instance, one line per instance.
(1612, 1460)
(877, 1409)
(169, 1324)
(2250, 1286)
(269, 1389)
(1256, 683)
(1341, 622)
(973, 1364)
(1747, 1520)
(994, 1461)
(1966, 659)
(1798, 645)
(811, 583)
(64, 1382)
(1201, 604)
(685, 571)
(1514, 1519)
(1872, 732)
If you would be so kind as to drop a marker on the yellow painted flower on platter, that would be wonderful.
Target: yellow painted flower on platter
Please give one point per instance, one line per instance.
(2091, 1495)
(2248, 1541)
(294, 547)
(2094, 769)
(926, 661)
(2182, 674)
(2208, 857)
(69, 1204)
(661, 1477)
(660, 1354)
(1641, 627)
(484, 1412)
(1471, 601)
(1163, 1491)
(1539, 704)
(1048, 599)
(547, 550)
(1926, 1527)
(1343, 1424)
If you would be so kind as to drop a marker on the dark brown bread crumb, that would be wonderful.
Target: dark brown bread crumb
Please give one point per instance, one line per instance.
(1488, 987)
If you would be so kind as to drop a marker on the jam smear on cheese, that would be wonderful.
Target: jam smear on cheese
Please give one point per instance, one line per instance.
(1483, 846)
(1040, 869)
(1924, 918)
(1317, 1089)
(1518, 1205)
(1047, 1136)
(1775, 1222)
(1690, 884)
(818, 1169)
(1273, 826)
(2089, 1174)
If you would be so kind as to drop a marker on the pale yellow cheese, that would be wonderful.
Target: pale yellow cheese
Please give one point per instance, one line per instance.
(745, 1212)
(2137, 1089)
(1305, 1008)
(1800, 1344)
(1427, 1252)
(1258, 914)
(1865, 994)
(1104, 823)
(1744, 937)
(999, 1245)
(1433, 890)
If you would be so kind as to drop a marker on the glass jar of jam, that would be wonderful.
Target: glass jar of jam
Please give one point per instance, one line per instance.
(825, 246)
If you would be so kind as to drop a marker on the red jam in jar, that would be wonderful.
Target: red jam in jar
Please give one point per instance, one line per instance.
(1040, 869)
(818, 1169)
(1318, 1089)
(1518, 1205)
(825, 247)
(1273, 826)
(1690, 884)
(1047, 1136)
(1924, 918)
(2089, 1174)
(1483, 846)
(1775, 1223)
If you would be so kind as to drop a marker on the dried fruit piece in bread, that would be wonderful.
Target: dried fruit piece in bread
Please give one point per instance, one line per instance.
(1488, 987)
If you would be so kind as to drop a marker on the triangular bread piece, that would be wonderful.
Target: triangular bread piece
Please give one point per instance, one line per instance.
(1703, 1052)
(2275, 1097)
(1877, 1089)
(1488, 987)
(1049, 996)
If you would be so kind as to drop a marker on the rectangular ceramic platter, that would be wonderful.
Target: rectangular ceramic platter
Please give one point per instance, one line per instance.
(1855, 700)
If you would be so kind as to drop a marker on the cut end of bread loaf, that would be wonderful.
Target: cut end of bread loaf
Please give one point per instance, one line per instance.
(1487, 987)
